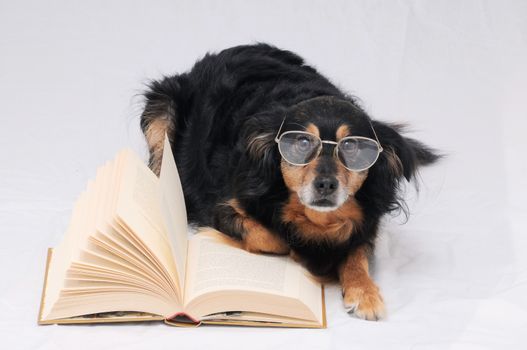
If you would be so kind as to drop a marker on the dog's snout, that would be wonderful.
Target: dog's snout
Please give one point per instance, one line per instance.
(326, 185)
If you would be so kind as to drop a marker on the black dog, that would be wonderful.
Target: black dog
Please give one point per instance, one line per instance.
(272, 154)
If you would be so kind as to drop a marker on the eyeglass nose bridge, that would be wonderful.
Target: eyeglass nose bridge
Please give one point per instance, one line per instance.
(322, 142)
(330, 142)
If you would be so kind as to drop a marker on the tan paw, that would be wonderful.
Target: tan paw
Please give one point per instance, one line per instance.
(266, 247)
(364, 302)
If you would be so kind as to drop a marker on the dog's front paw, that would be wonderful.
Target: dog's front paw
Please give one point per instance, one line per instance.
(364, 302)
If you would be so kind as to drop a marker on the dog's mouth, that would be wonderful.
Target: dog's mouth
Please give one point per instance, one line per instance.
(323, 205)
(324, 202)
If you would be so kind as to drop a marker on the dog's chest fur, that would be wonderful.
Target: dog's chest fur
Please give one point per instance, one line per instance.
(330, 227)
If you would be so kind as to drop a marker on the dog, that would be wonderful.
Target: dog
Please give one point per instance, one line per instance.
(275, 156)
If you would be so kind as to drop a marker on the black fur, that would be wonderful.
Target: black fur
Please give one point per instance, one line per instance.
(227, 100)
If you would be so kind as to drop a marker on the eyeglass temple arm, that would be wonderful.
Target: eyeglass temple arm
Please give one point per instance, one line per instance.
(375, 134)
(276, 139)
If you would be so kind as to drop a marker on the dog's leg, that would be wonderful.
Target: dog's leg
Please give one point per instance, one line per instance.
(159, 117)
(361, 295)
(231, 220)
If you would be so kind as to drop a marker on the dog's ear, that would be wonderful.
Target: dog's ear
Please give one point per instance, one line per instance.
(400, 159)
(402, 155)
(260, 146)
(258, 142)
(259, 164)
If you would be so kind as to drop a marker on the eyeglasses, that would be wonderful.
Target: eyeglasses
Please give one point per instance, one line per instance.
(356, 153)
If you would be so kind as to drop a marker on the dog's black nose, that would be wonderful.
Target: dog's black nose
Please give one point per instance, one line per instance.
(326, 185)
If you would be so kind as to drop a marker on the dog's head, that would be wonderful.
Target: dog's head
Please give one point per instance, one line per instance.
(312, 161)
(329, 131)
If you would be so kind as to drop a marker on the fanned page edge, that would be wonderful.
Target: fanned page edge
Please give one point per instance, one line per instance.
(127, 317)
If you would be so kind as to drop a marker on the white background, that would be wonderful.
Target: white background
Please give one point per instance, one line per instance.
(454, 276)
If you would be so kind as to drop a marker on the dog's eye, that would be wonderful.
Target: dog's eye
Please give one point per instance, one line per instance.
(349, 146)
(303, 143)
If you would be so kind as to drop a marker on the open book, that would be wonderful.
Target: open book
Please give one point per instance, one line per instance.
(127, 256)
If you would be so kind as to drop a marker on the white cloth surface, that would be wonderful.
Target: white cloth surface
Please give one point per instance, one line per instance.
(453, 277)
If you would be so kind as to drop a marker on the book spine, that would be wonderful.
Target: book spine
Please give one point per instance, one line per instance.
(182, 319)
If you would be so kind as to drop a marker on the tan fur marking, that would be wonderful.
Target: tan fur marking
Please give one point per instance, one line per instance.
(297, 176)
(334, 226)
(361, 295)
(342, 132)
(155, 137)
(257, 239)
(351, 180)
(313, 129)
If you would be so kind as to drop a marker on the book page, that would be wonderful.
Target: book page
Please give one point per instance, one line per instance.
(139, 212)
(173, 209)
(219, 266)
(270, 284)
